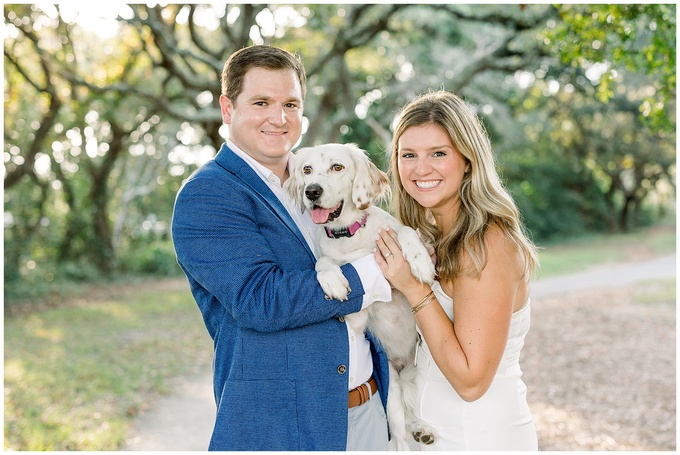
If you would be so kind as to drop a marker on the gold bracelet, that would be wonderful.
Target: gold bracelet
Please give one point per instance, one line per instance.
(423, 303)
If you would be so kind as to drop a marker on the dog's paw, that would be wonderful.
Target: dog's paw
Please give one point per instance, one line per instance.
(423, 438)
(422, 433)
(331, 279)
(423, 269)
(416, 255)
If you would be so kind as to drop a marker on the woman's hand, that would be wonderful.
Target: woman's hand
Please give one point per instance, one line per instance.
(391, 261)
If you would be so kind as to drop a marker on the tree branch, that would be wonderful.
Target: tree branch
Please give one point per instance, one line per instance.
(12, 177)
(358, 34)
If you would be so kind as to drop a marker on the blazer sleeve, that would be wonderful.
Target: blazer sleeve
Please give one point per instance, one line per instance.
(234, 246)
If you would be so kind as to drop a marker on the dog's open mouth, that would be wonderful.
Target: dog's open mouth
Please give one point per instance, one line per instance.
(323, 216)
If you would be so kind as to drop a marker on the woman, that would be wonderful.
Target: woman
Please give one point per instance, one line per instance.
(473, 320)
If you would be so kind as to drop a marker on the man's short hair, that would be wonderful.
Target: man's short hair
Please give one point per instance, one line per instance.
(268, 57)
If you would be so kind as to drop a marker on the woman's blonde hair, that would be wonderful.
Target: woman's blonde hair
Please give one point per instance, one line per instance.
(484, 200)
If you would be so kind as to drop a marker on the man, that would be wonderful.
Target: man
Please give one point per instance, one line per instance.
(284, 358)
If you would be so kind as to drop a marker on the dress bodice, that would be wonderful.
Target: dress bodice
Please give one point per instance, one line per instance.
(499, 420)
(519, 327)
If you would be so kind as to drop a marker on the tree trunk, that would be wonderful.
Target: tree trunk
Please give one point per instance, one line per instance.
(624, 222)
(103, 254)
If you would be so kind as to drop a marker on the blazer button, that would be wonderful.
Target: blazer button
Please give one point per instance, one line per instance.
(342, 369)
(341, 319)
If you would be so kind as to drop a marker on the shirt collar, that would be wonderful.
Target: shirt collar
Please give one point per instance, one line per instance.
(266, 174)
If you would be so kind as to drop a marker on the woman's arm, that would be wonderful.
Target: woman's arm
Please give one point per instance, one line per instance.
(468, 351)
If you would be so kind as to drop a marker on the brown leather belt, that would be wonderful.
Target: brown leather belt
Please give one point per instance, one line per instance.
(361, 394)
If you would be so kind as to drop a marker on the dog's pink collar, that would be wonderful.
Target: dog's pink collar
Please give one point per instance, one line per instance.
(348, 231)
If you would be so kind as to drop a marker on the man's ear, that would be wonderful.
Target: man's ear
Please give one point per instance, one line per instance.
(226, 107)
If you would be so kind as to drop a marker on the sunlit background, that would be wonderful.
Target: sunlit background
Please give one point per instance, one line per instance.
(110, 107)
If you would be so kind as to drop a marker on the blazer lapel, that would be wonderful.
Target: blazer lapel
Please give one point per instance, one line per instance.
(242, 171)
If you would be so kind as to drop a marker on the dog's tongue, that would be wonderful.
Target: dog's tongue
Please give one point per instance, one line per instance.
(319, 215)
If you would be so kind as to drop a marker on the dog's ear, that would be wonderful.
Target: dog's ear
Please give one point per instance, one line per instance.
(370, 183)
(295, 184)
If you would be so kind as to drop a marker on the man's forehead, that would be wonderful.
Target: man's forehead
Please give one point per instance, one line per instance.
(258, 79)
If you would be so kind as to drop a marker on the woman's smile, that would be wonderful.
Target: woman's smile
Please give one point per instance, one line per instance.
(427, 184)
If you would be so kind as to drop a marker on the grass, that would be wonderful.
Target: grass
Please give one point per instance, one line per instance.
(79, 369)
(662, 291)
(581, 253)
(75, 376)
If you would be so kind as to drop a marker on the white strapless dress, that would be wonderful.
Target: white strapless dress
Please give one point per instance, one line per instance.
(499, 420)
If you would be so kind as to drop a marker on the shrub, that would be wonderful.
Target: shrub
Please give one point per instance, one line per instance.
(156, 258)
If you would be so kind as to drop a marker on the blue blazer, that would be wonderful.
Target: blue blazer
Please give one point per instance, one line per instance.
(281, 349)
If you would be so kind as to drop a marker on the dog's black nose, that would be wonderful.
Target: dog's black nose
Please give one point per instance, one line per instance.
(313, 192)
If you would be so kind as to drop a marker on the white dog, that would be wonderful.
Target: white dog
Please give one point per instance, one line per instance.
(338, 185)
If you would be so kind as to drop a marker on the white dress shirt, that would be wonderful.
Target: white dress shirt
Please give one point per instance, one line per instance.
(375, 285)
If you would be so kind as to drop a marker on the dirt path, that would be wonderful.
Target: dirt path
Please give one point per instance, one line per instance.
(599, 364)
(600, 367)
